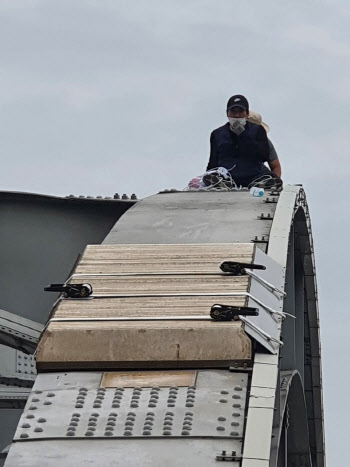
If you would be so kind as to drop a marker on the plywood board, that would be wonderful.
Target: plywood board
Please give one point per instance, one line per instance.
(146, 379)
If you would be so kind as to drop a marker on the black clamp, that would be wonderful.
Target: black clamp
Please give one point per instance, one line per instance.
(71, 290)
(229, 313)
(237, 269)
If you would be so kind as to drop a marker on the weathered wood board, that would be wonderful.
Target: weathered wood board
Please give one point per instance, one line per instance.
(149, 344)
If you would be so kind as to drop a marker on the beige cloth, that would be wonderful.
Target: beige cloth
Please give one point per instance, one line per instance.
(256, 118)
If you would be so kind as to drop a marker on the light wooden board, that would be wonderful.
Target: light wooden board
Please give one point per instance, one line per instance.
(139, 345)
(146, 379)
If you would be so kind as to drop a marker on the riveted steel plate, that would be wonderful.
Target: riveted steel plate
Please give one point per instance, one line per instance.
(214, 408)
(148, 378)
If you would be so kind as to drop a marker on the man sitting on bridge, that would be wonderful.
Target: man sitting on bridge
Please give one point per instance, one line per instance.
(242, 148)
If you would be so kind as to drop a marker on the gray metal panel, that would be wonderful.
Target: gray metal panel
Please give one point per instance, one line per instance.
(209, 417)
(16, 367)
(40, 239)
(274, 274)
(194, 217)
(122, 453)
(18, 332)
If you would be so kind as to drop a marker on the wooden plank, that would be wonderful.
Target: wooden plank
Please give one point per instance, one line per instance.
(146, 379)
(159, 284)
(164, 344)
(143, 307)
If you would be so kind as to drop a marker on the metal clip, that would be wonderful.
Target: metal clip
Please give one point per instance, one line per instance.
(229, 313)
(71, 290)
(237, 269)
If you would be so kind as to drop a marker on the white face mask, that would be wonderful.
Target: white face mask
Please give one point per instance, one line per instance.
(237, 124)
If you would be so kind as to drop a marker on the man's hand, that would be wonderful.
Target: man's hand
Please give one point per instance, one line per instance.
(275, 167)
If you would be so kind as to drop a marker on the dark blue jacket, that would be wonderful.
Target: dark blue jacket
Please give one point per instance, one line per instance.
(243, 155)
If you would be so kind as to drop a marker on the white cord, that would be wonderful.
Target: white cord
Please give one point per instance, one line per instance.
(276, 292)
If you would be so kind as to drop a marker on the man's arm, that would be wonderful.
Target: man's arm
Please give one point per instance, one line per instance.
(275, 167)
(213, 159)
(273, 161)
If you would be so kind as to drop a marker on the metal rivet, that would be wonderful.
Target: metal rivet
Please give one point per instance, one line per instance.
(129, 423)
(237, 406)
(220, 428)
(113, 414)
(168, 422)
(50, 403)
(189, 404)
(96, 406)
(70, 433)
(135, 404)
(234, 433)
(35, 399)
(50, 394)
(73, 424)
(146, 432)
(38, 429)
(33, 407)
(71, 428)
(89, 433)
(108, 433)
(128, 433)
(236, 414)
(221, 419)
(109, 428)
(26, 425)
(152, 404)
(95, 414)
(24, 435)
(235, 424)
(152, 413)
(238, 388)
(38, 392)
(185, 433)
(76, 414)
(167, 433)
(223, 401)
(30, 416)
(77, 406)
(187, 427)
(187, 413)
(115, 406)
(235, 396)
(91, 424)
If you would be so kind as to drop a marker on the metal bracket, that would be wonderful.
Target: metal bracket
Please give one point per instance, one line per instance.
(228, 457)
(265, 217)
(19, 333)
(271, 200)
(262, 239)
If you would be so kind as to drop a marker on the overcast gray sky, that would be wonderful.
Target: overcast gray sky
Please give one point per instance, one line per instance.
(107, 96)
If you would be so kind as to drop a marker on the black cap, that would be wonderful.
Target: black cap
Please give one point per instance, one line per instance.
(238, 101)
